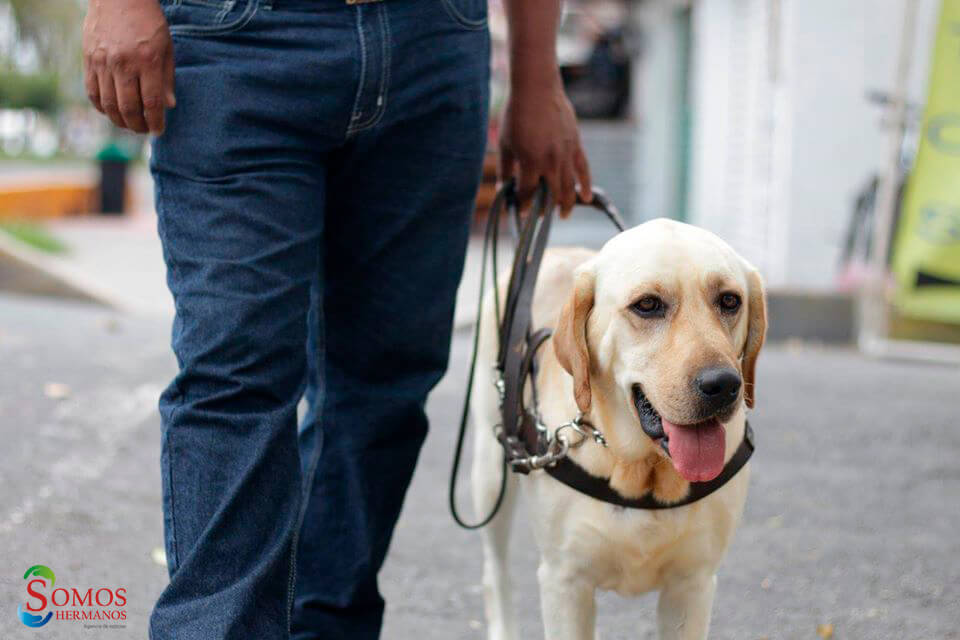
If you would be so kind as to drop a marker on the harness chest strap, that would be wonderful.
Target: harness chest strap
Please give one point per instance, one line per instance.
(579, 479)
(514, 331)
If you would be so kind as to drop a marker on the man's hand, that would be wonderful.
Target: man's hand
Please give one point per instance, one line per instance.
(539, 139)
(128, 60)
(539, 136)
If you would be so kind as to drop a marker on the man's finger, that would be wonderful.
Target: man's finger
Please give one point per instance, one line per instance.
(151, 93)
(527, 181)
(108, 99)
(568, 193)
(553, 183)
(92, 86)
(505, 168)
(169, 94)
(582, 168)
(130, 102)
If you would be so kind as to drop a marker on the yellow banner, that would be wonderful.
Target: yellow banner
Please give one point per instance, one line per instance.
(926, 258)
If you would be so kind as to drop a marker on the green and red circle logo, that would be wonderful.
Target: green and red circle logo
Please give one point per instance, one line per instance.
(32, 614)
(93, 604)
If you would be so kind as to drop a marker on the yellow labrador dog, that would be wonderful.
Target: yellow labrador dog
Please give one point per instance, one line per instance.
(657, 333)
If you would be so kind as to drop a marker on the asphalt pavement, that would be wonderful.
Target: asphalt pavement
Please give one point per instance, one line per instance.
(851, 521)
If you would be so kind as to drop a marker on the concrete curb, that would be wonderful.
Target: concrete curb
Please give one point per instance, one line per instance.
(43, 274)
(816, 316)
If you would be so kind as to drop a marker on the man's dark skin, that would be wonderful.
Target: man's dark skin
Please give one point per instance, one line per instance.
(128, 56)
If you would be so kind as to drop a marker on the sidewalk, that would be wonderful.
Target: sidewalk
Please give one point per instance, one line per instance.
(851, 518)
(119, 260)
(116, 260)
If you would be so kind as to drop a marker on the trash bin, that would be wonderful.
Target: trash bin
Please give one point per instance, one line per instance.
(113, 160)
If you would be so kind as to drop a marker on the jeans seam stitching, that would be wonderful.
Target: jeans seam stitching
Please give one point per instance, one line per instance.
(385, 35)
(218, 29)
(461, 19)
(363, 69)
(304, 498)
(174, 548)
(307, 487)
(210, 4)
(225, 10)
(173, 563)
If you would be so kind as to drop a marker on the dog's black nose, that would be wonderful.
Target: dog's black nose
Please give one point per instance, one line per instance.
(718, 385)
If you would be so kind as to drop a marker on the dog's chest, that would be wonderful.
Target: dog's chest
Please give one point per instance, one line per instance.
(634, 549)
(631, 551)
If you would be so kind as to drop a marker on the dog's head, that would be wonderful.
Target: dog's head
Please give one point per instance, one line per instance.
(661, 336)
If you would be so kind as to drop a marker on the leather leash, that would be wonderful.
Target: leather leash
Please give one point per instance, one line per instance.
(528, 444)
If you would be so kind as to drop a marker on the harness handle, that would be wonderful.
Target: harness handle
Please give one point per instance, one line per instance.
(530, 248)
(506, 197)
(601, 202)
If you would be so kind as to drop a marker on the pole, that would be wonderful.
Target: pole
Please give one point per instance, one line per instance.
(874, 298)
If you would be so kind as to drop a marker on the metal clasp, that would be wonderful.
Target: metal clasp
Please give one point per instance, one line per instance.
(584, 429)
(556, 451)
(558, 444)
(501, 386)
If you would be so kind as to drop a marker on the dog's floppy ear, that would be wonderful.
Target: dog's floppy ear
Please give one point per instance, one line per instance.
(756, 332)
(570, 338)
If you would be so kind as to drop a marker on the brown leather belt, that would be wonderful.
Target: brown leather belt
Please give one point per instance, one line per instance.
(527, 444)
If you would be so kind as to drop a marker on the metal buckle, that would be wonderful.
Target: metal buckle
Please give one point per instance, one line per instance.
(556, 451)
(500, 385)
(558, 445)
(584, 429)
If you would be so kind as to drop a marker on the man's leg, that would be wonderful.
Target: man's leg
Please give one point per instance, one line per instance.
(399, 204)
(240, 181)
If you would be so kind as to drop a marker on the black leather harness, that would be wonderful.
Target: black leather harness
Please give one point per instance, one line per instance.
(528, 444)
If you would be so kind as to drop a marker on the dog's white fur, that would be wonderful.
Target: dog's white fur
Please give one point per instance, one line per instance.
(586, 544)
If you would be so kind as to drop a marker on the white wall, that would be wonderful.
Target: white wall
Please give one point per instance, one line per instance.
(784, 135)
(731, 168)
(841, 51)
(656, 92)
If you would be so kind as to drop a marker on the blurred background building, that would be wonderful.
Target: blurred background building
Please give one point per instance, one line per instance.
(774, 123)
(758, 121)
(762, 120)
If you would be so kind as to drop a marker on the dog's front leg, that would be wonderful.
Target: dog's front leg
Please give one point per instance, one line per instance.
(567, 603)
(683, 612)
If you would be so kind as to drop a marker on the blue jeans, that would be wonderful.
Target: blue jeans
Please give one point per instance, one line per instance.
(315, 186)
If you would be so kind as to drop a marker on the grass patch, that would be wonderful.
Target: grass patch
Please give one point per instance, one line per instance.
(29, 159)
(33, 235)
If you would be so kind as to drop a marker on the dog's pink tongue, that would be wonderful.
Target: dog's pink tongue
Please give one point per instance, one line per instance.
(696, 450)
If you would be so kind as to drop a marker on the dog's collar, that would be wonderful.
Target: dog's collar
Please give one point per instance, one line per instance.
(534, 449)
(579, 479)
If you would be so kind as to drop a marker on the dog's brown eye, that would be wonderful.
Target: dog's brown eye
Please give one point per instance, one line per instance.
(729, 302)
(649, 307)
